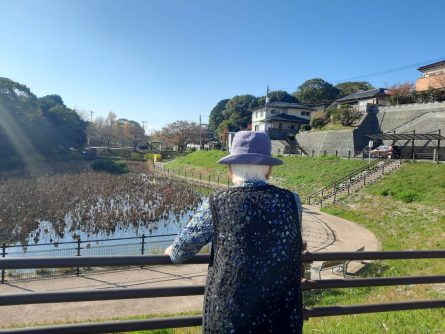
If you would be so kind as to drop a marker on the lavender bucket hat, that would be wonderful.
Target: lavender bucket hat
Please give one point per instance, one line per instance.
(251, 148)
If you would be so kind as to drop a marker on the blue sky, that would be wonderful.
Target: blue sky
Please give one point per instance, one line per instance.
(164, 60)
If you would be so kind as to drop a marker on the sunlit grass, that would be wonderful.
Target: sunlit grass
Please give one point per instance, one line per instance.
(301, 174)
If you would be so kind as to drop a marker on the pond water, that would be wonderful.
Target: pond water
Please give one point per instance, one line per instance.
(122, 239)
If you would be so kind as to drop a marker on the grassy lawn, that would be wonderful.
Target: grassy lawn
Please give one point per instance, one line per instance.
(406, 210)
(297, 173)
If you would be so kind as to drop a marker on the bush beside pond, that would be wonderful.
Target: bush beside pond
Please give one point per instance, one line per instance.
(111, 166)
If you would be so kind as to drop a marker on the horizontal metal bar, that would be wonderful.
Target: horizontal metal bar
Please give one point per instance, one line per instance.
(141, 260)
(111, 326)
(87, 241)
(359, 309)
(94, 261)
(386, 255)
(194, 290)
(367, 282)
(103, 294)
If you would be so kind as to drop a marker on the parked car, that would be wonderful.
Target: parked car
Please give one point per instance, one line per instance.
(389, 151)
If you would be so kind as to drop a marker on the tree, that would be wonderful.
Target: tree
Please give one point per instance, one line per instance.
(216, 115)
(180, 134)
(133, 133)
(349, 87)
(278, 96)
(316, 92)
(400, 93)
(346, 115)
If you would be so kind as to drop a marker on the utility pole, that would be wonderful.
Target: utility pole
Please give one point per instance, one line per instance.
(91, 116)
(267, 105)
(200, 136)
(144, 125)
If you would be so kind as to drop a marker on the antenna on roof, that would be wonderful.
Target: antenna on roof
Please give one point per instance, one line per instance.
(267, 98)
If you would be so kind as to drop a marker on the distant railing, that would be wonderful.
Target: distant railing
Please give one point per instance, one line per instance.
(174, 322)
(333, 187)
(142, 245)
(198, 178)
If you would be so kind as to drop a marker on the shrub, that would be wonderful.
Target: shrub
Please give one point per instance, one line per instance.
(111, 166)
(407, 196)
(136, 155)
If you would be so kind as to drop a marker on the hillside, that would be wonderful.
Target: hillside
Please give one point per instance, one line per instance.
(406, 210)
(297, 173)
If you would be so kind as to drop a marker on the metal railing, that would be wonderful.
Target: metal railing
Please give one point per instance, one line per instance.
(188, 321)
(198, 178)
(139, 245)
(332, 187)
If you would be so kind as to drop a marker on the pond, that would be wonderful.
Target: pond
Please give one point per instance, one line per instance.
(110, 215)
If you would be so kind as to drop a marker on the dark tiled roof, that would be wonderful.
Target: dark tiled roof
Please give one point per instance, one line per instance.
(363, 95)
(278, 104)
(425, 67)
(287, 118)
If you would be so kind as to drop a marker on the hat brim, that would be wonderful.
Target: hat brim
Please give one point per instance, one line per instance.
(250, 159)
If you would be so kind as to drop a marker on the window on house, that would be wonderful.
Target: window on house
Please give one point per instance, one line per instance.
(280, 125)
(292, 127)
(257, 127)
(261, 114)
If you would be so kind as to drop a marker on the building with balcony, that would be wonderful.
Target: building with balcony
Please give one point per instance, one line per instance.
(433, 76)
(280, 119)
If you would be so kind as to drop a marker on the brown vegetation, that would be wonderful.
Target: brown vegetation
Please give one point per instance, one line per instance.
(89, 202)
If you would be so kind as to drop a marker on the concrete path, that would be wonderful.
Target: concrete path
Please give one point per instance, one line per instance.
(323, 232)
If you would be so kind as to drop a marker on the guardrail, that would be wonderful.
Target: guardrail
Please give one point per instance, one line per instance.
(138, 245)
(174, 322)
(347, 178)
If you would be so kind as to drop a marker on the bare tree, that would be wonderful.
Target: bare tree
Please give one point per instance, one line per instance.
(180, 134)
(401, 92)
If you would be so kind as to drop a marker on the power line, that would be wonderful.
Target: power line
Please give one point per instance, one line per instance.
(362, 76)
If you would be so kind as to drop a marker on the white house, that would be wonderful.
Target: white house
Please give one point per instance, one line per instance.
(361, 99)
(280, 119)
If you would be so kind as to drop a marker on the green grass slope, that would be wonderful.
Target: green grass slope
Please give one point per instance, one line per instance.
(406, 210)
(301, 174)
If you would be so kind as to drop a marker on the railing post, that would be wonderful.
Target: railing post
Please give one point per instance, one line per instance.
(209, 178)
(3, 255)
(218, 180)
(78, 254)
(349, 155)
(336, 153)
(313, 153)
(309, 200)
(200, 178)
(324, 153)
(364, 180)
(228, 183)
(142, 246)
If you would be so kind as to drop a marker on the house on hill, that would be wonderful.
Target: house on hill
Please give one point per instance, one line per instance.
(433, 76)
(280, 119)
(362, 99)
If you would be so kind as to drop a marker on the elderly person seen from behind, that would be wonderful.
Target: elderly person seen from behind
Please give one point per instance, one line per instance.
(253, 283)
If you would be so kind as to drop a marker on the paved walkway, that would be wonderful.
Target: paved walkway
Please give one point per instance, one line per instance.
(322, 231)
